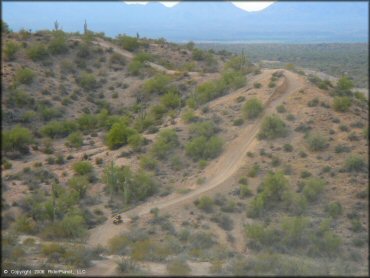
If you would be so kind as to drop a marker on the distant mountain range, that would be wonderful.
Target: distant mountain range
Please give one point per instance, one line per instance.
(293, 22)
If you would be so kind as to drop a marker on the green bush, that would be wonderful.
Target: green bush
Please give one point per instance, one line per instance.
(37, 52)
(342, 104)
(344, 86)
(157, 85)
(203, 148)
(253, 172)
(25, 224)
(234, 79)
(204, 203)
(147, 162)
(75, 140)
(281, 108)
(188, 116)
(272, 127)
(205, 128)
(316, 142)
(128, 43)
(171, 100)
(87, 81)
(313, 187)
(131, 186)
(244, 191)
(55, 129)
(334, 209)
(355, 163)
(18, 98)
(208, 91)
(87, 122)
(135, 67)
(118, 135)
(252, 108)
(82, 167)
(166, 142)
(10, 49)
(17, 139)
(24, 76)
(178, 267)
(58, 45)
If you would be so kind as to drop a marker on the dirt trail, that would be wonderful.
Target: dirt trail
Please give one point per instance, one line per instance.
(217, 173)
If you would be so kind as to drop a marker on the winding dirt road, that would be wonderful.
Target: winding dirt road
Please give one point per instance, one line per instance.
(216, 174)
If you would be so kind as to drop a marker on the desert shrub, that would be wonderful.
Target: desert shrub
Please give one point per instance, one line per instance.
(257, 85)
(135, 140)
(52, 249)
(118, 135)
(238, 63)
(17, 139)
(82, 167)
(224, 221)
(341, 104)
(25, 224)
(244, 191)
(19, 98)
(188, 116)
(273, 190)
(238, 122)
(178, 267)
(79, 184)
(355, 163)
(253, 172)
(252, 108)
(127, 267)
(272, 127)
(259, 235)
(342, 149)
(334, 209)
(10, 49)
(288, 147)
(281, 108)
(87, 81)
(171, 99)
(71, 226)
(203, 148)
(119, 244)
(316, 142)
(116, 58)
(147, 162)
(344, 86)
(313, 187)
(295, 231)
(131, 186)
(166, 142)
(37, 52)
(87, 122)
(48, 113)
(128, 43)
(58, 45)
(208, 91)
(204, 203)
(75, 139)
(313, 102)
(55, 129)
(159, 84)
(24, 76)
(135, 67)
(205, 128)
(233, 79)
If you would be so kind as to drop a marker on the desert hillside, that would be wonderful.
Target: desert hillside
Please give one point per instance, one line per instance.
(135, 156)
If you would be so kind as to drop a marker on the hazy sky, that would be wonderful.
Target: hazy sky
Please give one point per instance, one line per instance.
(247, 6)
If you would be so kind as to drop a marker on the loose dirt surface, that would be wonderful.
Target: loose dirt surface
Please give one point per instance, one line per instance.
(216, 174)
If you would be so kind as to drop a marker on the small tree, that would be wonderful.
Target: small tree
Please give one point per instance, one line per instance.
(317, 142)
